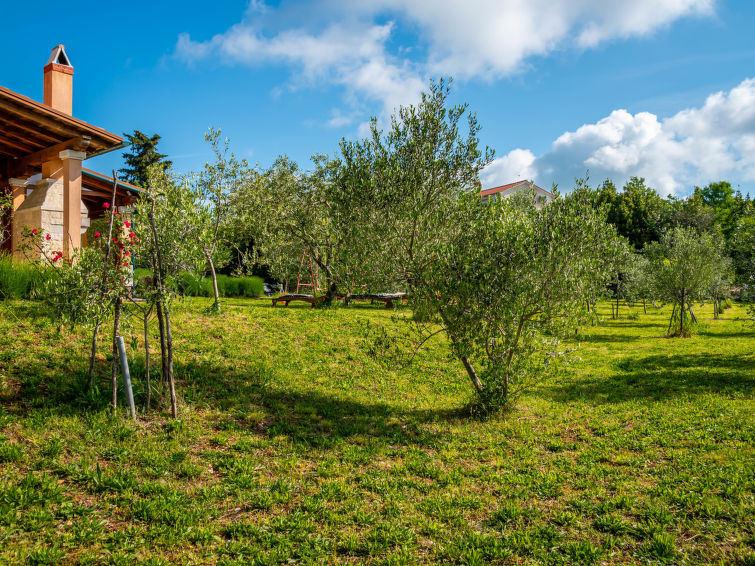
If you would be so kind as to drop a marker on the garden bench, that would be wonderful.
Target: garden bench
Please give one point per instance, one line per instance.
(386, 298)
(285, 299)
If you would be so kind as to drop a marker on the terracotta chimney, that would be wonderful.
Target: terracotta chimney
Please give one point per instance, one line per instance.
(58, 90)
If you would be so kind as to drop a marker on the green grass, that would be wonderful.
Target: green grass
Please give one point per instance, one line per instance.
(300, 442)
(19, 279)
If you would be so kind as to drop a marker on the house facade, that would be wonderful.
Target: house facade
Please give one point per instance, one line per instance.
(542, 196)
(42, 151)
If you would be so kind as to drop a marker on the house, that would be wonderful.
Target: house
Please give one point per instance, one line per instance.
(504, 191)
(42, 150)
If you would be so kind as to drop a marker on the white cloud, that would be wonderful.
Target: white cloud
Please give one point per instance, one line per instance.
(514, 166)
(349, 44)
(494, 37)
(693, 147)
(353, 57)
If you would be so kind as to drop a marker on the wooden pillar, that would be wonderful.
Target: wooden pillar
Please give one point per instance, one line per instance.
(18, 193)
(71, 199)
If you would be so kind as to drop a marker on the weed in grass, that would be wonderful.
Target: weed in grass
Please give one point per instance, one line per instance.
(582, 552)
(10, 452)
(508, 512)
(613, 525)
(661, 547)
(45, 555)
(564, 518)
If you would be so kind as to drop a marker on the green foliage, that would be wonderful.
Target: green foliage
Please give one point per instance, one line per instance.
(193, 286)
(636, 211)
(683, 267)
(690, 212)
(742, 246)
(506, 317)
(142, 156)
(20, 279)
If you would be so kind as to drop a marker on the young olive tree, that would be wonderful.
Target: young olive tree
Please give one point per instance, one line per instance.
(167, 243)
(636, 285)
(86, 287)
(212, 214)
(683, 266)
(502, 280)
(512, 284)
(396, 190)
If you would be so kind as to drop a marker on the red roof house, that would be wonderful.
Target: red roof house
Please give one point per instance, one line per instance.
(504, 191)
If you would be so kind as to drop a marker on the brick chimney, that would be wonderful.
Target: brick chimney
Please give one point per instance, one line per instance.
(58, 89)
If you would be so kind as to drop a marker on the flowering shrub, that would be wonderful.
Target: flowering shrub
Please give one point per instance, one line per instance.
(82, 288)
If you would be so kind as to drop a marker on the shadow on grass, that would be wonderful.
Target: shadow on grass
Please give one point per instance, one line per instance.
(598, 338)
(658, 377)
(248, 400)
(254, 400)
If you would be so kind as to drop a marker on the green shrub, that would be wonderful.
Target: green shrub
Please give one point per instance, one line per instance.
(251, 286)
(19, 279)
(192, 286)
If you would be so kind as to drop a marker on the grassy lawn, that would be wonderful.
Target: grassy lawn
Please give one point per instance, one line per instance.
(301, 441)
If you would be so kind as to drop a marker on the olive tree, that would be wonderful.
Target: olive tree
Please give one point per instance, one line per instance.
(512, 284)
(212, 215)
(502, 280)
(294, 212)
(167, 244)
(397, 189)
(683, 266)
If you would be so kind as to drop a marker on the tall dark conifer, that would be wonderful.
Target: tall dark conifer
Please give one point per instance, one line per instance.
(143, 154)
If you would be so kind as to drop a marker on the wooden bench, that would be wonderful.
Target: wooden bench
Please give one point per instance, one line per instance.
(386, 298)
(285, 299)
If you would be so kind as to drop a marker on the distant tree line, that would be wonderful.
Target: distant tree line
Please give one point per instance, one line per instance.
(642, 216)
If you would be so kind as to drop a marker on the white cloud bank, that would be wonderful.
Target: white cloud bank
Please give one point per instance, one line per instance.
(693, 147)
(475, 38)
(494, 37)
(356, 46)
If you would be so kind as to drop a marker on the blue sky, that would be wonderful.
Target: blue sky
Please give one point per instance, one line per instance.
(663, 89)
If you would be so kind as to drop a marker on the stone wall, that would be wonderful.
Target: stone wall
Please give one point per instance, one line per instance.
(43, 209)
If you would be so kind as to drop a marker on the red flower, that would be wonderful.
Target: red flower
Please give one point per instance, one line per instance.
(56, 258)
(47, 237)
(96, 234)
(127, 224)
(106, 204)
(131, 235)
(34, 231)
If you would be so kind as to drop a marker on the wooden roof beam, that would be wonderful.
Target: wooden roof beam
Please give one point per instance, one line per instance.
(21, 130)
(48, 154)
(15, 144)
